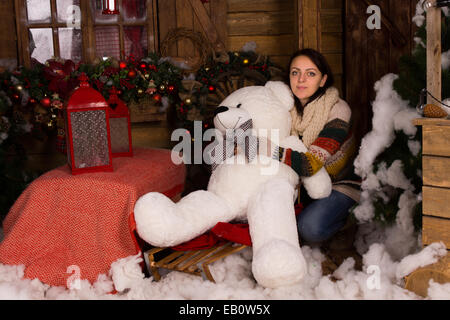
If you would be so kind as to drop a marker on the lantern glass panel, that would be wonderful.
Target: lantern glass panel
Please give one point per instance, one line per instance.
(90, 138)
(119, 135)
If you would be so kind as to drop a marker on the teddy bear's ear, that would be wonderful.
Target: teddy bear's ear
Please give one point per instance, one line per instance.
(282, 92)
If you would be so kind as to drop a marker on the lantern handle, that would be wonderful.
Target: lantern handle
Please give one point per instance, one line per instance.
(83, 80)
(113, 94)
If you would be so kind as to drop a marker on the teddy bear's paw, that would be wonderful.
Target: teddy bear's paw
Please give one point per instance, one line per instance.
(319, 185)
(278, 263)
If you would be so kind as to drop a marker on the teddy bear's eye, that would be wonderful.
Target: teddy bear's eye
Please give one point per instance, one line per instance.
(239, 105)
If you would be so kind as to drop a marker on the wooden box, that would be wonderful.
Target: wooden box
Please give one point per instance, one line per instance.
(435, 202)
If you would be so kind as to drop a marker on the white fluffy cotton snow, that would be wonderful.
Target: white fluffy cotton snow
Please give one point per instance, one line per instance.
(381, 278)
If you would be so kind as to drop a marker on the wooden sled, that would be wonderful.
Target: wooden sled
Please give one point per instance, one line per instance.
(194, 262)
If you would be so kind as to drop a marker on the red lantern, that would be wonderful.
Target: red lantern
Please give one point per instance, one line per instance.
(120, 126)
(87, 128)
(110, 7)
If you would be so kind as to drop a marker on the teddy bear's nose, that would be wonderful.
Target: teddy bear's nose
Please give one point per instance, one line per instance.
(220, 110)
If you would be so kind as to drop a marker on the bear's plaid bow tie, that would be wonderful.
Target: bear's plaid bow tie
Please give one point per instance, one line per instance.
(234, 138)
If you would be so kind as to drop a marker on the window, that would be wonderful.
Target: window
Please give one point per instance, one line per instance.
(77, 30)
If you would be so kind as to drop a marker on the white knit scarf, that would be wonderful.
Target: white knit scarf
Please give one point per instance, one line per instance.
(315, 116)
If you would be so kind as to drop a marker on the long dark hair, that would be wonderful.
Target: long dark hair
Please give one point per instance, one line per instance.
(322, 64)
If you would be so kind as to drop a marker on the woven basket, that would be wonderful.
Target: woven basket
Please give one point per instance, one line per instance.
(145, 110)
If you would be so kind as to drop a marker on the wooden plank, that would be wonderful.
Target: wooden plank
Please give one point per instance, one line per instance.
(332, 43)
(8, 35)
(436, 202)
(207, 25)
(260, 23)
(219, 13)
(331, 21)
(432, 121)
(281, 61)
(336, 61)
(399, 11)
(434, 49)
(167, 21)
(332, 4)
(356, 88)
(311, 26)
(22, 33)
(435, 230)
(152, 26)
(436, 171)
(185, 19)
(270, 45)
(258, 5)
(298, 9)
(436, 140)
(339, 84)
(397, 37)
(155, 135)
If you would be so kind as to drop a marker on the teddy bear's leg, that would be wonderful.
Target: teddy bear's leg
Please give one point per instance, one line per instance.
(277, 257)
(163, 223)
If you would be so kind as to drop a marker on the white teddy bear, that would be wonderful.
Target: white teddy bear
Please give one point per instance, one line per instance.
(261, 191)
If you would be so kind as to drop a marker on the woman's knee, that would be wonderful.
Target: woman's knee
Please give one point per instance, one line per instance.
(311, 229)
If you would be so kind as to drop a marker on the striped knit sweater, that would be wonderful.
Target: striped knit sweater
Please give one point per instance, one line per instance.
(334, 149)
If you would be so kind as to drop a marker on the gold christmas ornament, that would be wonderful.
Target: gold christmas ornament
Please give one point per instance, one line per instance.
(245, 61)
(19, 87)
(188, 101)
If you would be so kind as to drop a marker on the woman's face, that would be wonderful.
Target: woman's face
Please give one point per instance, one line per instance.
(305, 78)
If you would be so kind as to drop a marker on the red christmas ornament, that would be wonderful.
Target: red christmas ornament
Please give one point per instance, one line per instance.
(143, 66)
(171, 88)
(131, 74)
(157, 97)
(122, 65)
(46, 102)
(211, 88)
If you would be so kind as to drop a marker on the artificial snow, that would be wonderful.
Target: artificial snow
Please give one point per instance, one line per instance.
(380, 278)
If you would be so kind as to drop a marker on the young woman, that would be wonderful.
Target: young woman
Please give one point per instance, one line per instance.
(323, 122)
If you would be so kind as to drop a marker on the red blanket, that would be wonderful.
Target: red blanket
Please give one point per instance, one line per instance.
(62, 220)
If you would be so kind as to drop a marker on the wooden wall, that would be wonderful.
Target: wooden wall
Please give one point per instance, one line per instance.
(371, 54)
(277, 27)
(320, 25)
(8, 40)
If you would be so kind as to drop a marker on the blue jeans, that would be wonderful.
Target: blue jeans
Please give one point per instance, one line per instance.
(322, 218)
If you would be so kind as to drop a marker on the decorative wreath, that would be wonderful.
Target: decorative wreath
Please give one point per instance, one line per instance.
(201, 45)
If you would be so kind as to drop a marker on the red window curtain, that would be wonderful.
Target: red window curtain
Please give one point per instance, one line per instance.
(134, 9)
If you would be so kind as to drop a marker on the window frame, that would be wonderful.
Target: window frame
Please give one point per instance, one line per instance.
(87, 25)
